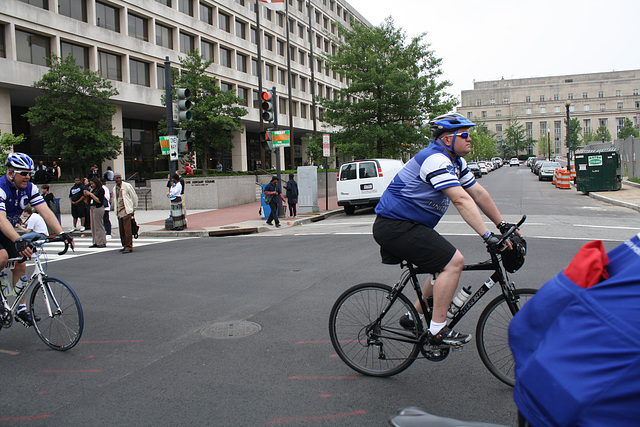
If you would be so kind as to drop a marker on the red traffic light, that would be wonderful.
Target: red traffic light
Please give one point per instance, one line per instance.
(265, 95)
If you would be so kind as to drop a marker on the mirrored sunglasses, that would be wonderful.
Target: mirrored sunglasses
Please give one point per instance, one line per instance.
(25, 173)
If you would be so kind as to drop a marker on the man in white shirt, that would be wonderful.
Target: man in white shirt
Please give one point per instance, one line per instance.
(34, 222)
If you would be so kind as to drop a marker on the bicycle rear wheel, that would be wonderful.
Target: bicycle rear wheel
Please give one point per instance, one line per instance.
(492, 336)
(379, 349)
(58, 308)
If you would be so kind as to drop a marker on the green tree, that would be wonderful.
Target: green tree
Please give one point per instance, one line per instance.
(514, 136)
(545, 145)
(216, 113)
(75, 114)
(575, 131)
(628, 129)
(7, 141)
(603, 134)
(394, 88)
(590, 136)
(483, 144)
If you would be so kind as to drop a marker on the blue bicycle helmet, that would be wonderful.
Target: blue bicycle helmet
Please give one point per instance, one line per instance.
(19, 161)
(448, 122)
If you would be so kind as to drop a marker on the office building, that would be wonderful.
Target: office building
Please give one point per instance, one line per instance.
(127, 42)
(539, 104)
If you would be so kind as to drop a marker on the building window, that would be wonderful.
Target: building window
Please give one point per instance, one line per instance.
(529, 129)
(253, 33)
(243, 94)
(541, 98)
(76, 9)
(241, 30)
(280, 44)
(303, 111)
(498, 113)
(527, 98)
(619, 105)
(301, 31)
(241, 63)
(543, 128)
(110, 66)
(556, 97)
(543, 110)
(635, 92)
(43, 4)
(207, 51)
(484, 114)
(186, 43)
(586, 127)
(206, 14)
(240, 2)
(603, 107)
(164, 36)
(528, 111)
(498, 128)
(586, 107)
(224, 22)
(138, 72)
(226, 87)
(138, 28)
(3, 52)
(637, 105)
(585, 95)
(602, 122)
(505, 100)
(303, 84)
(600, 94)
(268, 42)
(619, 124)
(186, 6)
(160, 76)
(165, 2)
(618, 93)
(282, 76)
(282, 105)
(470, 115)
(570, 96)
(225, 57)
(479, 102)
(32, 48)
(79, 53)
(301, 56)
(492, 101)
(107, 17)
(254, 67)
(556, 109)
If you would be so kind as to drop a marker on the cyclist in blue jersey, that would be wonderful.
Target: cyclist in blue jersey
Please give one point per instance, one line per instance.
(16, 192)
(414, 202)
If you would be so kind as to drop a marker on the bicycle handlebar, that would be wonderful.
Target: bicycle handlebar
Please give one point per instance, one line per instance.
(512, 230)
(33, 237)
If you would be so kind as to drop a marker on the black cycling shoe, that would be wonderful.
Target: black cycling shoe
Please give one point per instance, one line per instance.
(25, 316)
(449, 337)
(407, 323)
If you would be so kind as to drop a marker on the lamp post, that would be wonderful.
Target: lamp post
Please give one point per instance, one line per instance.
(567, 104)
(549, 142)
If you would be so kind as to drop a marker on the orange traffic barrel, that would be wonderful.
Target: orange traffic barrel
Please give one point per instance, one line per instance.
(564, 179)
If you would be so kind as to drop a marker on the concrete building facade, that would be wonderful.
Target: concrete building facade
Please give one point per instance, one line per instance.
(539, 104)
(127, 42)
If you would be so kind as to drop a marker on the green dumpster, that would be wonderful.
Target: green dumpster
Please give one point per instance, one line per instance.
(598, 170)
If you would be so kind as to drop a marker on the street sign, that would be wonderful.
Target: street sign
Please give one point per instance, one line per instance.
(326, 145)
(164, 145)
(280, 138)
(173, 148)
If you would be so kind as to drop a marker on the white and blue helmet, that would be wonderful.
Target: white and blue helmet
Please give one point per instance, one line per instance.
(19, 161)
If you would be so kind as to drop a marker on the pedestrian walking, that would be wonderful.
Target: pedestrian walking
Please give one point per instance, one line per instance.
(126, 201)
(271, 193)
(292, 196)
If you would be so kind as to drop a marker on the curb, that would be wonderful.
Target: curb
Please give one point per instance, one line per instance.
(615, 202)
(234, 230)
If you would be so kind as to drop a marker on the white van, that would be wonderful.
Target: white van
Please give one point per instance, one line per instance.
(361, 182)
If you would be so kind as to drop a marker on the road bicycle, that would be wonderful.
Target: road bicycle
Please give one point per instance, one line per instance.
(53, 305)
(366, 333)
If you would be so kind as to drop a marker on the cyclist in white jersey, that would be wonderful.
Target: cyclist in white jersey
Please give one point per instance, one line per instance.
(16, 192)
(414, 202)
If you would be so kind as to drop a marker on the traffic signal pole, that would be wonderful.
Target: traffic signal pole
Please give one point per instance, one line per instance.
(173, 164)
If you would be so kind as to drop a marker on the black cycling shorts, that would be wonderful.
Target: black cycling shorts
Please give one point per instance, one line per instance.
(8, 245)
(413, 242)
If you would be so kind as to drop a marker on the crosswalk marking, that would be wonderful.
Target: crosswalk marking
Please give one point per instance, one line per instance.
(82, 247)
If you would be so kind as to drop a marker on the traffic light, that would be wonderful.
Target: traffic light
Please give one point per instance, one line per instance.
(184, 105)
(183, 141)
(266, 105)
(267, 143)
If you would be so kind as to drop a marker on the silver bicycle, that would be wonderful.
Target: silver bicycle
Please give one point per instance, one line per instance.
(53, 305)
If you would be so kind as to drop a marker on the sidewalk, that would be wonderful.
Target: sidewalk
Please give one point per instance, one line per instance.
(244, 219)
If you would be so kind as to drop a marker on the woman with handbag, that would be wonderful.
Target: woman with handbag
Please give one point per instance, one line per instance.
(96, 211)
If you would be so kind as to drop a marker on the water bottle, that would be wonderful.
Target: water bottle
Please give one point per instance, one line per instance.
(21, 284)
(5, 284)
(458, 301)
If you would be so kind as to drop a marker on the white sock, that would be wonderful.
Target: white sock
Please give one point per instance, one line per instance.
(435, 327)
(21, 307)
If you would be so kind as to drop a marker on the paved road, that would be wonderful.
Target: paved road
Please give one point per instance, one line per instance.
(168, 338)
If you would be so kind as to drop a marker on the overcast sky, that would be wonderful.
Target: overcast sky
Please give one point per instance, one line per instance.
(491, 39)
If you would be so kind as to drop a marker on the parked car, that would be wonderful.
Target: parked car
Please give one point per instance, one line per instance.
(473, 167)
(537, 165)
(547, 170)
(483, 168)
(362, 182)
(497, 161)
(514, 162)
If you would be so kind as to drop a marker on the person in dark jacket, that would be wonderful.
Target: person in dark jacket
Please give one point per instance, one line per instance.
(292, 196)
(272, 192)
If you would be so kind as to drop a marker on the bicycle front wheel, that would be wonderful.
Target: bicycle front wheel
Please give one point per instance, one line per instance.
(492, 335)
(376, 348)
(57, 314)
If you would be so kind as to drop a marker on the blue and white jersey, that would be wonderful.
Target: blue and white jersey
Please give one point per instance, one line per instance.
(415, 192)
(13, 201)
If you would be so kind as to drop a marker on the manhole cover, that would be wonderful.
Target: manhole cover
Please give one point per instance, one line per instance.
(228, 330)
